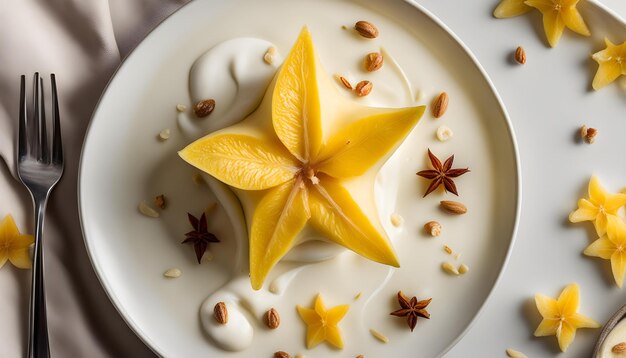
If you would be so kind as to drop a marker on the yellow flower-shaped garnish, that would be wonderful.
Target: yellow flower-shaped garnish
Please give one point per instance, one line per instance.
(560, 316)
(612, 246)
(558, 14)
(598, 207)
(14, 246)
(295, 174)
(322, 323)
(510, 8)
(611, 64)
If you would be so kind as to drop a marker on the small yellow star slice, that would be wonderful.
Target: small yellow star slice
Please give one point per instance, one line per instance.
(612, 246)
(611, 64)
(600, 206)
(557, 15)
(560, 316)
(322, 323)
(14, 246)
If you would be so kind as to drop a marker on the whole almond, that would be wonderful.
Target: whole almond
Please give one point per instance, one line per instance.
(366, 29)
(619, 348)
(440, 105)
(373, 61)
(220, 313)
(272, 318)
(520, 55)
(433, 228)
(453, 207)
(363, 88)
(281, 354)
(204, 108)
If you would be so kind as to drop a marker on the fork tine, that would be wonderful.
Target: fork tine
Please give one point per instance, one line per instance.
(57, 147)
(22, 148)
(34, 137)
(45, 149)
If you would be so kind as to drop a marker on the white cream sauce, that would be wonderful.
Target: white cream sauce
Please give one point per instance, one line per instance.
(235, 75)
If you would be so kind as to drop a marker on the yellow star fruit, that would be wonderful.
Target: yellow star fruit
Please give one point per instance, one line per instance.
(558, 14)
(598, 207)
(510, 8)
(295, 173)
(560, 316)
(14, 246)
(611, 64)
(322, 323)
(612, 246)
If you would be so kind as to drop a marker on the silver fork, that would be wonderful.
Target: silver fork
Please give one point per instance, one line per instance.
(39, 167)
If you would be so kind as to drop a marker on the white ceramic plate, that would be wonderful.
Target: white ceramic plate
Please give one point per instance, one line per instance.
(123, 163)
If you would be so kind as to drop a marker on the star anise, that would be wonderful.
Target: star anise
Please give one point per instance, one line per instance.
(442, 174)
(200, 237)
(411, 309)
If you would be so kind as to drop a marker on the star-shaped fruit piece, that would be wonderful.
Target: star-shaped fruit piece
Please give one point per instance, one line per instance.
(289, 173)
(411, 309)
(322, 323)
(442, 174)
(612, 246)
(560, 316)
(558, 14)
(598, 207)
(611, 64)
(510, 8)
(200, 237)
(14, 246)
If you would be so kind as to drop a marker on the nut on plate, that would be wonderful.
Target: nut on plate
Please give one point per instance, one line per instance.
(220, 313)
(272, 318)
(281, 354)
(172, 273)
(204, 107)
(444, 133)
(366, 29)
(159, 201)
(450, 269)
(363, 88)
(588, 134)
(440, 105)
(373, 61)
(453, 207)
(433, 228)
(619, 348)
(344, 81)
(515, 354)
(520, 55)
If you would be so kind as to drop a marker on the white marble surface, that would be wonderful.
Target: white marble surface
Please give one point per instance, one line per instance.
(547, 99)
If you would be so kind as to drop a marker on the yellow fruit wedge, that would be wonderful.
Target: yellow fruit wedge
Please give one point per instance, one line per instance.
(297, 172)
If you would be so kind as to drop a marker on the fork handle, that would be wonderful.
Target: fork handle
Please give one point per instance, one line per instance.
(38, 345)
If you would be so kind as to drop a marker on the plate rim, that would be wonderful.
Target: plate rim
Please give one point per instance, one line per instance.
(134, 326)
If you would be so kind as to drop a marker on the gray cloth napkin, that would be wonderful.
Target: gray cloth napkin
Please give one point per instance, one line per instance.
(82, 42)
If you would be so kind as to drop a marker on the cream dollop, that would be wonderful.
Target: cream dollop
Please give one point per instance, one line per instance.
(236, 334)
(234, 74)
